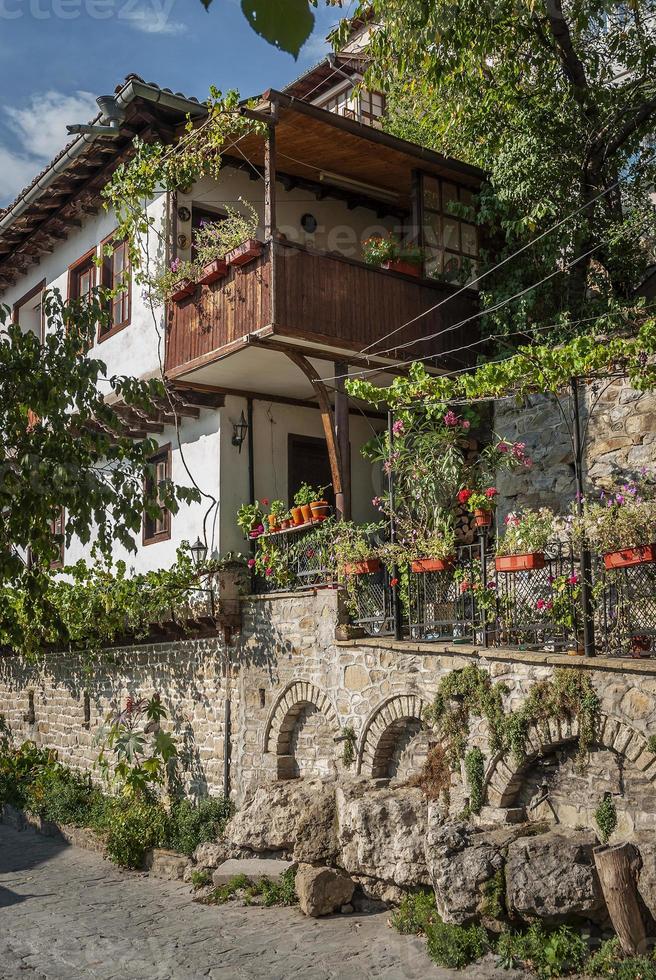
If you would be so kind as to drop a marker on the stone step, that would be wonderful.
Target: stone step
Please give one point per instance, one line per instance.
(252, 868)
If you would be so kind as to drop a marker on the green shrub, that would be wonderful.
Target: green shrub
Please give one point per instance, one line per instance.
(281, 892)
(200, 878)
(455, 946)
(224, 893)
(549, 954)
(61, 794)
(193, 824)
(608, 961)
(606, 818)
(475, 770)
(415, 913)
(131, 828)
(494, 891)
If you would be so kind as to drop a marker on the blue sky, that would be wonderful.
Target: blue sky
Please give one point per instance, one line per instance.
(57, 55)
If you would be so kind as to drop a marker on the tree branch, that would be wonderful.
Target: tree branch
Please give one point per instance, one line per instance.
(572, 64)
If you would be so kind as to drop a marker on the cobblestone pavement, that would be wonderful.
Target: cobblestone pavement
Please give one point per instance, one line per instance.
(66, 913)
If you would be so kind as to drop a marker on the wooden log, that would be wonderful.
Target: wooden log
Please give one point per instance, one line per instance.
(617, 868)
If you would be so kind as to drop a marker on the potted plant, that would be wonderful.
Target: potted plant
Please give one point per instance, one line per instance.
(286, 521)
(275, 515)
(304, 497)
(297, 516)
(272, 562)
(212, 271)
(320, 508)
(354, 550)
(621, 524)
(249, 519)
(424, 549)
(480, 503)
(527, 534)
(388, 252)
(178, 282)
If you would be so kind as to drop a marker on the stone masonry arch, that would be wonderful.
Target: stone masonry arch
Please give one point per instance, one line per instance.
(503, 779)
(383, 729)
(299, 702)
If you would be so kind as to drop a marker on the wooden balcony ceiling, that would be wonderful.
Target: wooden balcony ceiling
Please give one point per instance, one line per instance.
(310, 141)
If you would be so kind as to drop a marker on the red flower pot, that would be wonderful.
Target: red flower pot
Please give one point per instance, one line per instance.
(630, 556)
(519, 563)
(246, 252)
(320, 509)
(297, 516)
(217, 269)
(482, 518)
(398, 265)
(433, 564)
(182, 289)
(363, 567)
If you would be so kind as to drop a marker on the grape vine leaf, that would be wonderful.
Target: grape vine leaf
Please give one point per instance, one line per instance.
(287, 24)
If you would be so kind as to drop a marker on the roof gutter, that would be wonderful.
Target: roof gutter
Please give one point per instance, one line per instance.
(133, 89)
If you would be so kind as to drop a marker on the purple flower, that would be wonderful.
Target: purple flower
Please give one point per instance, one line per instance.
(398, 428)
(175, 265)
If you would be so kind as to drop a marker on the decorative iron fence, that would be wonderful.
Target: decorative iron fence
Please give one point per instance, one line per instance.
(445, 603)
(303, 554)
(372, 602)
(626, 611)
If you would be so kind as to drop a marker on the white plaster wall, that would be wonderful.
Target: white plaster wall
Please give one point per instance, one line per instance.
(339, 230)
(134, 350)
(272, 423)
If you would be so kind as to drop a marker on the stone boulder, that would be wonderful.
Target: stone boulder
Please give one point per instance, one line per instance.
(462, 860)
(552, 878)
(322, 890)
(381, 833)
(294, 816)
(211, 855)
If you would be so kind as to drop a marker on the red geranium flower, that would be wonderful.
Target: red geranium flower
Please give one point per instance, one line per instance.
(394, 581)
(463, 496)
(491, 492)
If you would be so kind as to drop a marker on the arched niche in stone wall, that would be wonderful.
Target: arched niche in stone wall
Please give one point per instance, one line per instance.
(299, 737)
(395, 740)
(550, 785)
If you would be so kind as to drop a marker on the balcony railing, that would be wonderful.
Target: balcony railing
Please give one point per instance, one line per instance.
(302, 294)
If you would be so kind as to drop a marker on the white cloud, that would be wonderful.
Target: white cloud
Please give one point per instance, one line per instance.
(315, 48)
(152, 17)
(39, 128)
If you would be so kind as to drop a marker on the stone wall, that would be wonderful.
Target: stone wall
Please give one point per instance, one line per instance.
(293, 690)
(619, 425)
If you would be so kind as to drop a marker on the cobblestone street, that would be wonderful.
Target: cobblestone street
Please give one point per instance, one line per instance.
(66, 914)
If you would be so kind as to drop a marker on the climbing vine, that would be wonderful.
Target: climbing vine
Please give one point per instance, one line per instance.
(470, 692)
(606, 818)
(348, 752)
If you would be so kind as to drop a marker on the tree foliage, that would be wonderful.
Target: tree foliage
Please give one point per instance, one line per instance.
(556, 99)
(64, 445)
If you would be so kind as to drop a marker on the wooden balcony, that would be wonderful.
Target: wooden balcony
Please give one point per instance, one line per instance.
(331, 306)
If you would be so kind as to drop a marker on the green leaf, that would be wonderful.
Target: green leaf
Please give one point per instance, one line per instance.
(287, 24)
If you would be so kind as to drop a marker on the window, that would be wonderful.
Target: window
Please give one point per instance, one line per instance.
(82, 277)
(57, 529)
(199, 218)
(28, 311)
(308, 462)
(372, 107)
(158, 528)
(116, 277)
(448, 240)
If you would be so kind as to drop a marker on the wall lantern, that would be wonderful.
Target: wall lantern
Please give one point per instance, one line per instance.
(239, 431)
(198, 553)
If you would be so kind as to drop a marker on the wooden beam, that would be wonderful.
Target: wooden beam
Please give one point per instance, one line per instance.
(270, 183)
(334, 456)
(342, 432)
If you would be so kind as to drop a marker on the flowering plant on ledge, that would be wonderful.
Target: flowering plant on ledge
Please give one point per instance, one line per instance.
(622, 517)
(474, 500)
(527, 532)
(389, 248)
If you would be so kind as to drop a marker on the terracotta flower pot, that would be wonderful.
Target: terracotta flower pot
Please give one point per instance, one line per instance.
(273, 522)
(286, 523)
(182, 289)
(519, 563)
(366, 567)
(246, 252)
(640, 646)
(399, 265)
(320, 509)
(217, 269)
(307, 513)
(433, 564)
(482, 518)
(297, 516)
(630, 556)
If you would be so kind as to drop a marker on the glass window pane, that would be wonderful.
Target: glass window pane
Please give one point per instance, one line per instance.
(451, 263)
(432, 193)
(433, 229)
(449, 194)
(466, 197)
(433, 262)
(469, 239)
(451, 234)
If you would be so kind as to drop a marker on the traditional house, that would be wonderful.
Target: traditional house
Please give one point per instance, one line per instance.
(256, 361)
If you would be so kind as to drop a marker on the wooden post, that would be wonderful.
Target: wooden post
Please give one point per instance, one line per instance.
(334, 456)
(270, 183)
(617, 867)
(343, 435)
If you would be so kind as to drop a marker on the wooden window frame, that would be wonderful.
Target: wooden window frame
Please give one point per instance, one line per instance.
(163, 453)
(77, 266)
(59, 562)
(443, 214)
(115, 327)
(30, 294)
